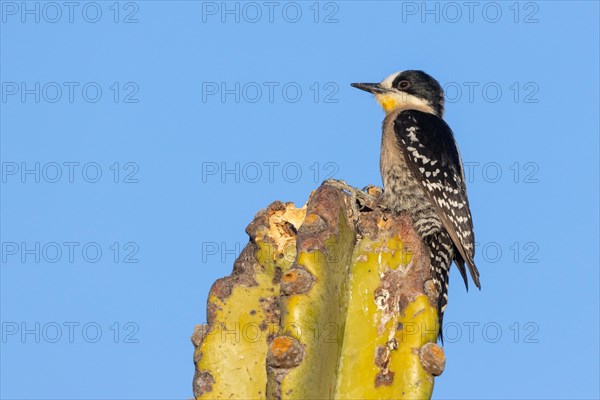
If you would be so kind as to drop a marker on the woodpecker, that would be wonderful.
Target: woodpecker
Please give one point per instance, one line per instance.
(423, 175)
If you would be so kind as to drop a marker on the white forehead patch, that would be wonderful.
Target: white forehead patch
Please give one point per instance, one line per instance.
(387, 82)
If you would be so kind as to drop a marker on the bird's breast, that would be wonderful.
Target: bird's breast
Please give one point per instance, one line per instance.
(402, 191)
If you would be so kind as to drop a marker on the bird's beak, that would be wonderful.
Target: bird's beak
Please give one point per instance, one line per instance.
(374, 88)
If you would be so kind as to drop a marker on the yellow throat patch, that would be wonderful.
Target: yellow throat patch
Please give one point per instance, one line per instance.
(388, 102)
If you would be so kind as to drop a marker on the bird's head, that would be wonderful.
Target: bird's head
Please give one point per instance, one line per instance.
(407, 90)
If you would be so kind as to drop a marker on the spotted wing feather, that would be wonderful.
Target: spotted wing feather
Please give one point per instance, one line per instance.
(431, 153)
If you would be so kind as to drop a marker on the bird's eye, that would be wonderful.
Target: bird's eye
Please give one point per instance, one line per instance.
(403, 85)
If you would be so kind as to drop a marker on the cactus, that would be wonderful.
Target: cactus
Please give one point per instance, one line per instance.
(327, 301)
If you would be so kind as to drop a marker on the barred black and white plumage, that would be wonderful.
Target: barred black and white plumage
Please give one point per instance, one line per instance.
(423, 174)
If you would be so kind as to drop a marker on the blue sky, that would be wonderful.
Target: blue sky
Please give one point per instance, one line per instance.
(138, 139)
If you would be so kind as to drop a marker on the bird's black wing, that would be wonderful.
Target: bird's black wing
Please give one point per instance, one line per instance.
(432, 156)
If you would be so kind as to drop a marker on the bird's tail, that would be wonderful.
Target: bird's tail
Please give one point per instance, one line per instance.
(441, 254)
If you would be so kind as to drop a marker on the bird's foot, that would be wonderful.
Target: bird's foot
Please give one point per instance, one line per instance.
(361, 199)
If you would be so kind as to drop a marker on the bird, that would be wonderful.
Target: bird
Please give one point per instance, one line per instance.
(423, 174)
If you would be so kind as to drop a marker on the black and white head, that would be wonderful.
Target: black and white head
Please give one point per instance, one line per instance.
(407, 90)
